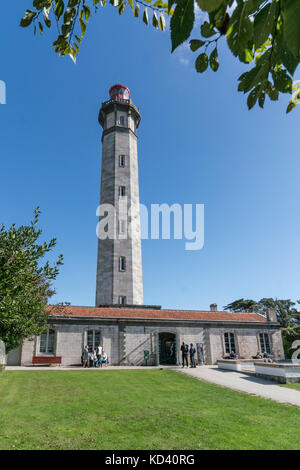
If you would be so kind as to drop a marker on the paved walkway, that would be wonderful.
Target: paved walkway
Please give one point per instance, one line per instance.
(245, 383)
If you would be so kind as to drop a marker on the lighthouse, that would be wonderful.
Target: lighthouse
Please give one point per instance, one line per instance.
(119, 263)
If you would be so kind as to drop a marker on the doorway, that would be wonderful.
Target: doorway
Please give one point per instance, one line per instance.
(167, 349)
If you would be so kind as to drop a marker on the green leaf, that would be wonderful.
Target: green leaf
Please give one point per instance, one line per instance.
(264, 23)
(182, 22)
(207, 30)
(239, 33)
(252, 97)
(253, 6)
(47, 21)
(145, 16)
(73, 3)
(137, 11)
(87, 12)
(28, 18)
(282, 81)
(162, 22)
(291, 26)
(70, 14)
(250, 79)
(41, 27)
(284, 55)
(59, 8)
(40, 4)
(82, 27)
(272, 91)
(214, 60)
(209, 5)
(196, 44)
(290, 107)
(131, 4)
(261, 99)
(154, 20)
(122, 6)
(201, 63)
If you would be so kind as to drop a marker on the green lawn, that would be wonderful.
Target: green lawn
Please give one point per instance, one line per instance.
(132, 409)
(295, 386)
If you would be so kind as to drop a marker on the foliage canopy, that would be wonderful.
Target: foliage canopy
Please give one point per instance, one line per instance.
(265, 33)
(25, 282)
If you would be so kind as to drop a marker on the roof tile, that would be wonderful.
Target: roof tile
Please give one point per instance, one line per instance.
(149, 314)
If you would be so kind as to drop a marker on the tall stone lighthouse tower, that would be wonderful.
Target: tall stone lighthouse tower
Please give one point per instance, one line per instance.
(119, 266)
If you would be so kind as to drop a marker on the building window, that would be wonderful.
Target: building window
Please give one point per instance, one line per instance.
(93, 339)
(47, 342)
(229, 343)
(122, 121)
(122, 161)
(122, 300)
(122, 191)
(122, 227)
(264, 341)
(122, 263)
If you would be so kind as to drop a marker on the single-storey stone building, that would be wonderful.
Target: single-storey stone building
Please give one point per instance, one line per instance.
(125, 333)
(120, 322)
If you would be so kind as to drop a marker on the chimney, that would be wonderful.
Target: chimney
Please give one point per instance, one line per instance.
(271, 315)
(213, 307)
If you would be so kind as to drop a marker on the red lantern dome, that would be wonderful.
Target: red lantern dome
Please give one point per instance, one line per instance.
(119, 91)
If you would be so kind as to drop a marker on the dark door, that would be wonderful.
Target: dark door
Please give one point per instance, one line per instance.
(167, 349)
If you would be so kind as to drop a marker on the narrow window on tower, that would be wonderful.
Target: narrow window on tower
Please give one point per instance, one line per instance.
(122, 263)
(121, 161)
(122, 227)
(122, 121)
(122, 300)
(122, 191)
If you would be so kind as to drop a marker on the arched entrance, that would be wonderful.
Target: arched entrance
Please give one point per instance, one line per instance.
(167, 348)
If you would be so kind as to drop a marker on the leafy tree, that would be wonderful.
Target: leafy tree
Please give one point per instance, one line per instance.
(287, 315)
(25, 282)
(265, 33)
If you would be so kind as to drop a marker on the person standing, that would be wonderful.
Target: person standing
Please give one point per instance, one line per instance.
(99, 353)
(85, 357)
(184, 350)
(192, 356)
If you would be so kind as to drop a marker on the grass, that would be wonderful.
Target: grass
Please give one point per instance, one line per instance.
(132, 409)
(295, 386)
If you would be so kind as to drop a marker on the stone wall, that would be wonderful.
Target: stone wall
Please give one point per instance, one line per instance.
(246, 341)
(125, 342)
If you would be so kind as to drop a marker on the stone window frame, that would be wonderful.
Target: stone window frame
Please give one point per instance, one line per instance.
(120, 299)
(122, 267)
(236, 343)
(85, 336)
(38, 343)
(122, 160)
(122, 227)
(259, 343)
(122, 191)
(121, 120)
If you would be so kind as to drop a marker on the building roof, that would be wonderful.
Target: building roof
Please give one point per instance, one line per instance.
(153, 314)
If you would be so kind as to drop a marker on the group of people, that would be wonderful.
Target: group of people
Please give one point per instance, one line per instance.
(94, 358)
(266, 356)
(186, 352)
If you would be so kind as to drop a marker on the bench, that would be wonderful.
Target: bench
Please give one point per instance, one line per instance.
(46, 360)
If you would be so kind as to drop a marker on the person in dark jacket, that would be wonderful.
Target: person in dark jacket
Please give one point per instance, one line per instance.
(192, 356)
(184, 350)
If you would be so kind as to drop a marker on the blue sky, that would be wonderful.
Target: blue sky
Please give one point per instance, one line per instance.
(198, 143)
